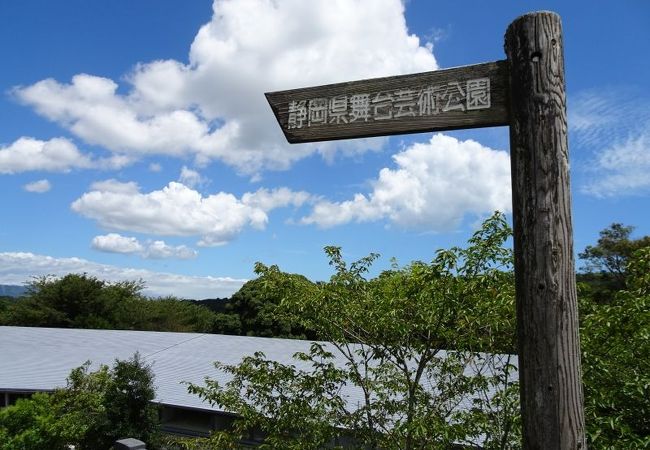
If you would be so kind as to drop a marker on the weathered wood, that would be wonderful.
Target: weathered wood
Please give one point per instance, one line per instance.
(549, 353)
(431, 101)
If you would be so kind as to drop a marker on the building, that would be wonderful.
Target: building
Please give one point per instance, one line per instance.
(40, 360)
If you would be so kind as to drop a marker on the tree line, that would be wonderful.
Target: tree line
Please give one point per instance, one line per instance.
(84, 301)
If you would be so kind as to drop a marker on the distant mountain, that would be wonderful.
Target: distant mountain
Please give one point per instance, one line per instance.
(10, 290)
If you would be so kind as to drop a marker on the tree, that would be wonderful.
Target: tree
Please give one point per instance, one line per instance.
(255, 306)
(83, 301)
(405, 365)
(227, 323)
(616, 362)
(91, 412)
(31, 424)
(607, 261)
(5, 304)
(75, 300)
(129, 410)
(165, 314)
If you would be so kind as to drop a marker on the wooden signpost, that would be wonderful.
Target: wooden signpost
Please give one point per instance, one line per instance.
(463, 97)
(526, 92)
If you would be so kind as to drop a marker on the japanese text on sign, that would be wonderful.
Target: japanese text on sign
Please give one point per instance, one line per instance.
(389, 105)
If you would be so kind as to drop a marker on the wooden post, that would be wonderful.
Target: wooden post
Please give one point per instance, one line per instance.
(547, 319)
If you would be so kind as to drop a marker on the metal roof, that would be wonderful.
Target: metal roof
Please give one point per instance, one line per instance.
(40, 359)
(35, 359)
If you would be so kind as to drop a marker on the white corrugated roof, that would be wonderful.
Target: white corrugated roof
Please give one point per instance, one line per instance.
(33, 359)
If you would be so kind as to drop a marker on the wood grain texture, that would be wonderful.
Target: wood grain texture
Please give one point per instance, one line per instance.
(549, 351)
(495, 115)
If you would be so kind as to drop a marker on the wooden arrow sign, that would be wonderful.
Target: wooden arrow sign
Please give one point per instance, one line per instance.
(462, 97)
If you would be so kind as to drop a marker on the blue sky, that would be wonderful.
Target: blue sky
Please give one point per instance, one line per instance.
(136, 141)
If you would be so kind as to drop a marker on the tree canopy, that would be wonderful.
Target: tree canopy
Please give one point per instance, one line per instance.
(606, 262)
(84, 301)
(616, 361)
(91, 412)
(411, 342)
(390, 331)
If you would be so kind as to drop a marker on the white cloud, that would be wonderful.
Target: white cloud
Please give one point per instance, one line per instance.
(177, 210)
(55, 155)
(621, 169)
(191, 178)
(116, 186)
(38, 187)
(114, 162)
(434, 186)
(266, 199)
(613, 125)
(155, 167)
(116, 243)
(19, 267)
(599, 118)
(160, 250)
(213, 108)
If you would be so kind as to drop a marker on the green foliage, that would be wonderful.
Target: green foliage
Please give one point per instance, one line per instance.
(227, 323)
(386, 340)
(166, 314)
(255, 309)
(616, 362)
(83, 301)
(606, 262)
(463, 299)
(92, 412)
(294, 408)
(5, 304)
(75, 300)
(31, 424)
(81, 406)
(217, 440)
(217, 305)
(128, 402)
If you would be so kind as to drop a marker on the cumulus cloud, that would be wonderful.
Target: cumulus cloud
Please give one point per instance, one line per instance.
(177, 210)
(433, 187)
(19, 267)
(213, 107)
(116, 243)
(55, 155)
(38, 187)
